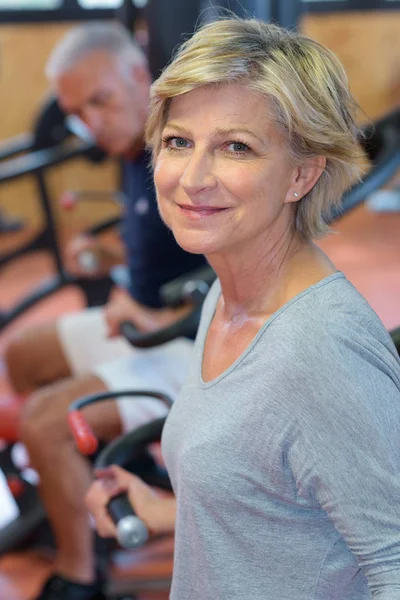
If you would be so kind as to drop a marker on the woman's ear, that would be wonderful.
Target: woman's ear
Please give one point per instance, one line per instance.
(305, 176)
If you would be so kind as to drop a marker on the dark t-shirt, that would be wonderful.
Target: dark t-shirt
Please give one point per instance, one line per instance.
(153, 256)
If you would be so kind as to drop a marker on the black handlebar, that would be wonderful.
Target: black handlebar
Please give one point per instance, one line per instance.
(382, 147)
(17, 145)
(190, 289)
(131, 531)
(176, 291)
(184, 327)
(41, 159)
(82, 433)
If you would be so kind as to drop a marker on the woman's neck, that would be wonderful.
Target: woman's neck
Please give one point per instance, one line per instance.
(257, 281)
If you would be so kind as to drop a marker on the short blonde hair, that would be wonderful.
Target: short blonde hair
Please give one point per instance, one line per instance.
(306, 85)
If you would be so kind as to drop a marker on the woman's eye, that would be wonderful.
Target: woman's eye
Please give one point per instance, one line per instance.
(238, 147)
(176, 143)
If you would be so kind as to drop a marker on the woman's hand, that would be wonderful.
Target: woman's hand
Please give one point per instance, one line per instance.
(156, 510)
(123, 307)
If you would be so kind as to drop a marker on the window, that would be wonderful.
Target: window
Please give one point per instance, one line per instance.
(40, 11)
(30, 4)
(109, 3)
(100, 3)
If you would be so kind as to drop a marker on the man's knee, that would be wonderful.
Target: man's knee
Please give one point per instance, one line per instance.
(44, 416)
(43, 419)
(16, 358)
(34, 358)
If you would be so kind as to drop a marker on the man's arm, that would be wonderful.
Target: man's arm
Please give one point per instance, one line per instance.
(122, 307)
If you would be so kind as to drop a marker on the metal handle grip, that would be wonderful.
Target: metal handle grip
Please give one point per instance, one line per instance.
(131, 531)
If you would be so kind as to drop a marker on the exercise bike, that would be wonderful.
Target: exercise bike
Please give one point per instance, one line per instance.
(55, 139)
(27, 523)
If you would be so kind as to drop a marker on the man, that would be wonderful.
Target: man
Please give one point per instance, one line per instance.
(100, 75)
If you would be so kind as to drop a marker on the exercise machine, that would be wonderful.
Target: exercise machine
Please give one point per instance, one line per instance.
(55, 139)
(26, 524)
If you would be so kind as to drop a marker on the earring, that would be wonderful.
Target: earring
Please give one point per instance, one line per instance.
(295, 194)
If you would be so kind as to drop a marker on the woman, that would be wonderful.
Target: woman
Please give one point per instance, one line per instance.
(283, 447)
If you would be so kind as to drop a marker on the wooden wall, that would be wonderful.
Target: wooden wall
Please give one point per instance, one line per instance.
(367, 43)
(23, 53)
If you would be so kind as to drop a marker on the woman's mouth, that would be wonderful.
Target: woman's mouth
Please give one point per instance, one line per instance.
(197, 212)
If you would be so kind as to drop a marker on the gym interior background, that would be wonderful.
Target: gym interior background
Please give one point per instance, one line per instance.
(365, 35)
(366, 40)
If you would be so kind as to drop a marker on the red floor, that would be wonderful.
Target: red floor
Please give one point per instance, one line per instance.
(366, 248)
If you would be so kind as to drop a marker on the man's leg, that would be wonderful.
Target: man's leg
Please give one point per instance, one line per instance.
(71, 346)
(62, 356)
(65, 475)
(35, 357)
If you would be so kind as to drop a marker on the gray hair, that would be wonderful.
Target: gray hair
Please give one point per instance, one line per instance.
(111, 38)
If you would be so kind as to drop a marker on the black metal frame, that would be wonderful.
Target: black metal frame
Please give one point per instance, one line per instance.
(318, 6)
(36, 164)
(382, 147)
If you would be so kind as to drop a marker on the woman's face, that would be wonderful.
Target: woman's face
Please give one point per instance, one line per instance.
(223, 175)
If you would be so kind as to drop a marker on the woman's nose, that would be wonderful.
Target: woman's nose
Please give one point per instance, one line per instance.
(198, 174)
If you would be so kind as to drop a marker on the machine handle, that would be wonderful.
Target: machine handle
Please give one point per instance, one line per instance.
(82, 433)
(131, 531)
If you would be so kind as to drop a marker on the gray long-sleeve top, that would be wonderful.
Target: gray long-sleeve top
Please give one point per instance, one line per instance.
(286, 467)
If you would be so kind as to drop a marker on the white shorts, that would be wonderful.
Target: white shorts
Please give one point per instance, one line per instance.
(121, 366)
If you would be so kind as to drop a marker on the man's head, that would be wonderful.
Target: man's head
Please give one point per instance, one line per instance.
(100, 75)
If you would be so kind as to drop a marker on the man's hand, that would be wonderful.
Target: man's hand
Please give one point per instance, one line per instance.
(86, 256)
(123, 308)
(156, 510)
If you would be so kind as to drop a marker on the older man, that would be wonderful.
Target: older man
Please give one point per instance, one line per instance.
(100, 75)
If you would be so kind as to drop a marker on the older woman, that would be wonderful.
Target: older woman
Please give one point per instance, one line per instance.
(283, 448)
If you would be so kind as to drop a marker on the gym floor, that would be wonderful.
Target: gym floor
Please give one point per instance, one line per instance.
(365, 246)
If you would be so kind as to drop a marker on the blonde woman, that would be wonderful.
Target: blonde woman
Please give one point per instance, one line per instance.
(283, 447)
